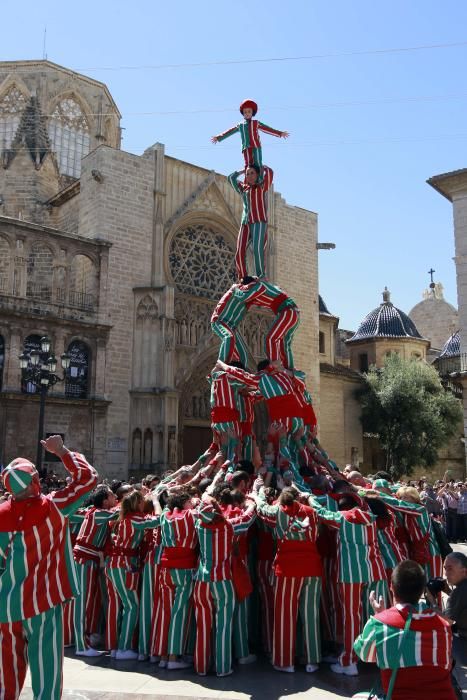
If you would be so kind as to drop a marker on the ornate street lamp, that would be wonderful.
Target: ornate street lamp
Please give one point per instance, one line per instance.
(38, 367)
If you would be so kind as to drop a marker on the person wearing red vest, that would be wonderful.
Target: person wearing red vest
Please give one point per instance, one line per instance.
(38, 571)
(298, 570)
(409, 640)
(178, 563)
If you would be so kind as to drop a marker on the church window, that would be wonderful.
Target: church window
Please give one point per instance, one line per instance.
(40, 272)
(363, 362)
(69, 135)
(322, 342)
(77, 381)
(136, 448)
(12, 104)
(32, 342)
(202, 262)
(148, 446)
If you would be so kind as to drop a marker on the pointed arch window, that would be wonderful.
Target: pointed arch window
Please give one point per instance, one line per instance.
(69, 135)
(77, 382)
(12, 104)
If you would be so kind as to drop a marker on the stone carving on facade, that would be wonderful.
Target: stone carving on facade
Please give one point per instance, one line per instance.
(202, 262)
(195, 401)
(147, 309)
(193, 320)
(254, 329)
(190, 201)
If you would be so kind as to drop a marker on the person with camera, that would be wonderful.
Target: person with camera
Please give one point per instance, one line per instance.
(410, 643)
(455, 586)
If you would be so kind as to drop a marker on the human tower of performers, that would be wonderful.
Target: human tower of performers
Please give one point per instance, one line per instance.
(179, 574)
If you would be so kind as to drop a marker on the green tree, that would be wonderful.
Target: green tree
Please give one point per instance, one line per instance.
(406, 406)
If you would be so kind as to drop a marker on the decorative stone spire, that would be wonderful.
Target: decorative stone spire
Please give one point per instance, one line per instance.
(32, 133)
(386, 296)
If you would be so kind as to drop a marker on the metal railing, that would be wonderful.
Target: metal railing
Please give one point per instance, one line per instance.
(46, 294)
(448, 366)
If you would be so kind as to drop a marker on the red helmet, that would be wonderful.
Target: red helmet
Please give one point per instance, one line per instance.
(249, 103)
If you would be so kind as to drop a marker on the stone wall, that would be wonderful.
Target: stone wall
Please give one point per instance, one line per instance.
(340, 427)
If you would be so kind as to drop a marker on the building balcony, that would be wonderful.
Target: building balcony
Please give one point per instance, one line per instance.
(44, 300)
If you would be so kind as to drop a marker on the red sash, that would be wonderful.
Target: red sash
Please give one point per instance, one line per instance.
(224, 414)
(179, 558)
(283, 407)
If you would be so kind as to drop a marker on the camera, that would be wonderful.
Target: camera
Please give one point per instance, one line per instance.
(436, 585)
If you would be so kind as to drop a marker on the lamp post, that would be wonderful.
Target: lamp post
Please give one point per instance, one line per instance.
(38, 367)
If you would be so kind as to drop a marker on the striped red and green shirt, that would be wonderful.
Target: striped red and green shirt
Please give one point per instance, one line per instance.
(423, 658)
(360, 559)
(126, 539)
(295, 528)
(249, 132)
(179, 539)
(254, 196)
(93, 534)
(232, 307)
(216, 537)
(35, 548)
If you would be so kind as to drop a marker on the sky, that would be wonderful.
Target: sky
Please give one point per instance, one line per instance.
(371, 114)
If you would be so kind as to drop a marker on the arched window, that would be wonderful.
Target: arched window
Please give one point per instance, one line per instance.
(69, 135)
(40, 272)
(12, 104)
(363, 362)
(77, 381)
(83, 283)
(202, 262)
(32, 342)
(136, 448)
(2, 359)
(148, 446)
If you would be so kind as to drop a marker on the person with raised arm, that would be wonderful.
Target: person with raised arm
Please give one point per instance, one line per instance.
(38, 572)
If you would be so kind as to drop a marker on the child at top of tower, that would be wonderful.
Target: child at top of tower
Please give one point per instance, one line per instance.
(249, 131)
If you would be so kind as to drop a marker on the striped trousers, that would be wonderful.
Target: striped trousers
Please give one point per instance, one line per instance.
(176, 589)
(37, 641)
(68, 613)
(266, 596)
(253, 156)
(214, 602)
(232, 344)
(280, 336)
(294, 596)
(355, 611)
(88, 576)
(256, 236)
(130, 608)
(146, 604)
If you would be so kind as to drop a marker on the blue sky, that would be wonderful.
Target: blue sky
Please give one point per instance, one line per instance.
(366, 130)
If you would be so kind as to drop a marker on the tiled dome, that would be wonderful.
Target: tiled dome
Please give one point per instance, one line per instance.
(452, 347)
(386, 322)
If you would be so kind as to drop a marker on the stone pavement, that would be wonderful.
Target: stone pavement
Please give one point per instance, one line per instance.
(106, 679)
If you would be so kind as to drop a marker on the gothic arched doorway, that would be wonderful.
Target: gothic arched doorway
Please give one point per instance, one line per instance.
(195, 412)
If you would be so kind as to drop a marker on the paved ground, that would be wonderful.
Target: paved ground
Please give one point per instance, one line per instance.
(106, 679)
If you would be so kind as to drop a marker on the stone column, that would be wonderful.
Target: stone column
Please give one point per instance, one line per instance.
(12, 371)
(453, 186)
(157, 267)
